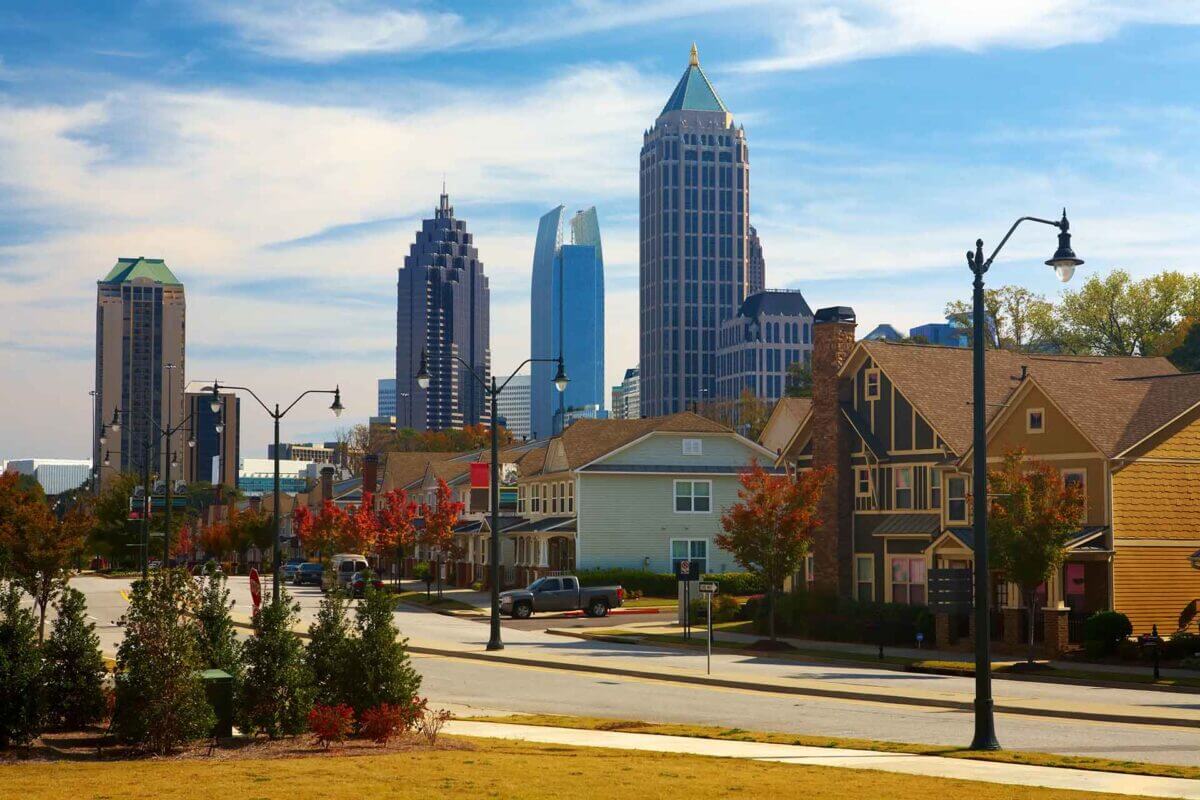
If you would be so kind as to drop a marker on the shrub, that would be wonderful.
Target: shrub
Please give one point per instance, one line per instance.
(381, 723)
(379, 670)
(654, 584)
(477, 586)
(1104, 631)
(216, 638)
(431, 721)
(1181, 645)
(725, 609)
(20, 672)
(329, 652)
(738, 583)
(423, 572)
(330, 724)
(160, 699)
(74, 665)
(277, 692)
(827, 617)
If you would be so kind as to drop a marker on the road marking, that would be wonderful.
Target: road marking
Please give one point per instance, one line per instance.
(125, 595)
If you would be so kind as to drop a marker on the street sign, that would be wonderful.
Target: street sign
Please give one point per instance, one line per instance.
(708, 587)
(159, 502)
(255, 589)
(950, 590)
(686, 570)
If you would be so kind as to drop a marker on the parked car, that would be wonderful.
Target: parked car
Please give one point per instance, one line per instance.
(561, 593)
(358, 583)
(343, 567)
(289, 569)
(309, 574)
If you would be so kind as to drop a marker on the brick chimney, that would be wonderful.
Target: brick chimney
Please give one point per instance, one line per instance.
(833, 543)
(370, 473)
(326, 483)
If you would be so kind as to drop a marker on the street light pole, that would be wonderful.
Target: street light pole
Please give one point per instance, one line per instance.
(1064, 262)
(170, 435)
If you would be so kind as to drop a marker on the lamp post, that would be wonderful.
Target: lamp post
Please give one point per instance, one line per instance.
(1064, 263)
(493, 391)
(336, 407)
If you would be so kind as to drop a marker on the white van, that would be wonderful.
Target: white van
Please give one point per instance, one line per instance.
(343, 567)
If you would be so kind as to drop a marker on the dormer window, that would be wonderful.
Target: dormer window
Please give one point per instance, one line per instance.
(871, 388)
(693, 447)
(1035, 420)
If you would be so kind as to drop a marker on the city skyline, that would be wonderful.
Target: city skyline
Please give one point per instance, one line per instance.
(292, 277)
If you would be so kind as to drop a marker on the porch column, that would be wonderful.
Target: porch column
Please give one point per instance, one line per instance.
(1012, 626)
(1057, 633)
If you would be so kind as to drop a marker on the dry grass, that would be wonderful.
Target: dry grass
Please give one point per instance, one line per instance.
(492, 769)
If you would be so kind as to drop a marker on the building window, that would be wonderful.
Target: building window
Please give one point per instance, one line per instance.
(935, 490)
(862, 481)
(693, 497)
(908, 580)
(871, 389)
(554, 498)
(956, 498)
(864, 578)
(570, 497)
(1077, 477)
(694, 550)
(693, 447)
(1035, 420)
(522, 498)
(535, 499)
(904, 491)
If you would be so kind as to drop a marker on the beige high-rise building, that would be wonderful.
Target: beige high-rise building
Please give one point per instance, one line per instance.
(139, 367)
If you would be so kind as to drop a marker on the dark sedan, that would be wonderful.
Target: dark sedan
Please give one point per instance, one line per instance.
(358, 584)
(308, 573)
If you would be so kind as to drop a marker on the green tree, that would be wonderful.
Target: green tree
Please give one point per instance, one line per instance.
(161, 702)
(1186, 354)
(216, 637)
(20, 672)
(1115, 315)
(330, 651)
(112, 532)
(799, 381)
(380, 671)
(74, 665)
(1033, 516)
(1022, 319)
(40, 550)
(277, 691)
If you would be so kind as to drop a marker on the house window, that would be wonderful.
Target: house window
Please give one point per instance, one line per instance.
(1035, 420)
(1077, 477)
(693, 497)
(908, 580)
(904, 484)
(862, 481)
(554, 498)
(694, 550)
(693, 447)
(871, 389)
(522, 498)
(810, 570)
(570, 497)
(935, 490)
(864, 578)
(535, 499)
(956, 498)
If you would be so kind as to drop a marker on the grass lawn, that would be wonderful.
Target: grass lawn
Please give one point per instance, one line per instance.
(492, 769)
(432, 600)
(737, 734)
(650, 602)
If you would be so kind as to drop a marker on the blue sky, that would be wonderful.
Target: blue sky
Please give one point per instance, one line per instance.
(280, 156)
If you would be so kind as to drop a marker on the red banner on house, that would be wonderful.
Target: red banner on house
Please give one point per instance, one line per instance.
(480, 475)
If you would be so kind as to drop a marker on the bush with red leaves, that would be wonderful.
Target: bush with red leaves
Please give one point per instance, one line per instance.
(331, 723)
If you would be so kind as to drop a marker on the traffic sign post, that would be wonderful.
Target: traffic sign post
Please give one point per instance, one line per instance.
(708, 589)
(685, 574)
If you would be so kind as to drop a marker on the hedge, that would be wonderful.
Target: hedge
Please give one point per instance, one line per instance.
(829, 618)
(663, 584)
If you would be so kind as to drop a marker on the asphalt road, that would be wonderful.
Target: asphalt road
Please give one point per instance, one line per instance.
(533, 689)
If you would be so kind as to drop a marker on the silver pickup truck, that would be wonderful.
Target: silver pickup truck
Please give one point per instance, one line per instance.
(561, 593)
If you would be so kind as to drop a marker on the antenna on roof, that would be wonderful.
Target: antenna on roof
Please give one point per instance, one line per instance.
(694, 58)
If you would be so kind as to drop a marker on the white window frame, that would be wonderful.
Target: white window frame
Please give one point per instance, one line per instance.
(535, 499)
(924, 584)
(693, 447)
(690, 541)
(1082, 473)
(912, 477)
(1029, 412)
(948, 498)
(692, 495)
(867, 386)
(861, 474)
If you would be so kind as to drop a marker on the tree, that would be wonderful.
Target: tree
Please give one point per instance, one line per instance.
(440, 519)
(74, 665)
(277, 691)
(352, 445)
(320, 533)
(41, 549)
(396, 529)
(799, 380)
(330, 651)
(161, 702)
(1115, 315)
(215, 539)
(250, 527)
(20, 672)
(361, 530)
(216, 637)
(380, 668)
(1019, 318)
(1033, 516)
(769, 529)
(1185, 352)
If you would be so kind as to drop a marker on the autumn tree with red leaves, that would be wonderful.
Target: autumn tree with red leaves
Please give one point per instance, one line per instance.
(323, 532)
(361, 528)
(769, 529)
(396, 529)
(440, 520)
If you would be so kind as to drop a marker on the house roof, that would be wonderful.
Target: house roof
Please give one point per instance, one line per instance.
(1115, 401)
(775, 303)
(401, 470)
(128, 269)
(901, 524)
(694, 92)
(785, 418)
(585, 440)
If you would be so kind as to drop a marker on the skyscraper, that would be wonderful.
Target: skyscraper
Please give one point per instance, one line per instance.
(626, 403)
(771, 331)
(513, 405)
(567, 306)
(694, 248)
(139, 364)
(386, 405)
(216, 453)
(756, 263)
(442, 307)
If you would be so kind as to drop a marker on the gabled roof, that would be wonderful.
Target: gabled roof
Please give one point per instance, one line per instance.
(694, 92)
(1115, 401)
(402, 470)
(128, 269)
(785, 419)
(586, 440)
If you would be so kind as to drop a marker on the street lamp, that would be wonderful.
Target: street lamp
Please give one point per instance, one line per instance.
(493, 391)
(1064, 261)
(336, 407)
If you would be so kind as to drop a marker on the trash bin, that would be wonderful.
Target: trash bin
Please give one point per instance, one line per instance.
(218, 687)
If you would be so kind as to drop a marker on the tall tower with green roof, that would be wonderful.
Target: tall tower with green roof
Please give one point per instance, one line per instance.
(694, 242)
(140, 329)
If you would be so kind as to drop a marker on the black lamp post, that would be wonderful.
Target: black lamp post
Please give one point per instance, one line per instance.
(493, 391)
(336, 407)
(1064, 262)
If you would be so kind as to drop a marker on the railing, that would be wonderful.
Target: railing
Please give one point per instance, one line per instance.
(1075, 628)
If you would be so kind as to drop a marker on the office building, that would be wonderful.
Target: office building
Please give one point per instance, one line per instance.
(566, 316)
(54, 475)
(755, 263)
(140, 312)
(306, 451)
(442, 308)
(626, 397)
(884, 333)
(694, 242)
(513, 407)
(217, 435)
(386, 404)
(942, 333)
(772, 331)
(256, 476)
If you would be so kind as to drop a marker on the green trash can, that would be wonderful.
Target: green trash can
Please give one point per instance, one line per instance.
(218, 686)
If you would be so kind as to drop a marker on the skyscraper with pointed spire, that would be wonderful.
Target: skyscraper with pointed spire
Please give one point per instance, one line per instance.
(694, 259)
(442, 301)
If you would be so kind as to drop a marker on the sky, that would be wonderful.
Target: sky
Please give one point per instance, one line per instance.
(280, 155)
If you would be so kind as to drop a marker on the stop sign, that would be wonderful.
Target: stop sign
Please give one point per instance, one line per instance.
(255, 589)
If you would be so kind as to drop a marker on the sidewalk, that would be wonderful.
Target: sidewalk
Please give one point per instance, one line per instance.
(928, 766)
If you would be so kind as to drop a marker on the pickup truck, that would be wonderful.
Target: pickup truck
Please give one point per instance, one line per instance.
(561, 593)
